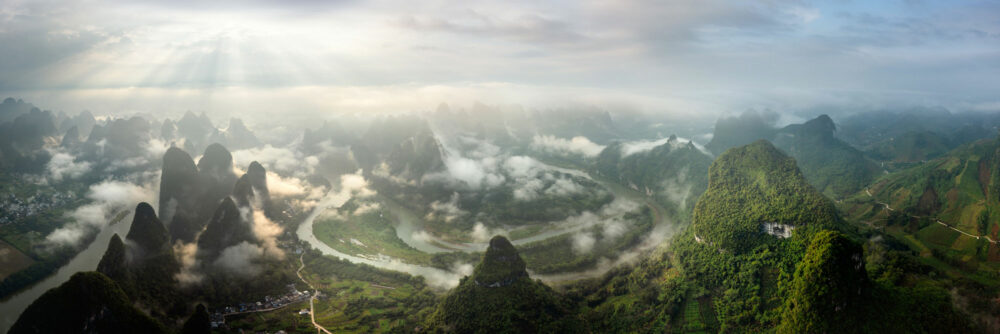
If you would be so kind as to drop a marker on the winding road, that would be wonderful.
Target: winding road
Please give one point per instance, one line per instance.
(312, 310)
(936, 220)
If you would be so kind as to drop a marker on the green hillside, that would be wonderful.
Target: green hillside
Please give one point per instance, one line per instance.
(946, 208)
(88, 303)
(674, 173)
(834, 167)
(831, 165)
(499, 297)
(753, 185)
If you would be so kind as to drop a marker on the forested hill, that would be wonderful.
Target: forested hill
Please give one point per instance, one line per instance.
(88, 303)
(754, 185)
(831, 165)
(499, 297)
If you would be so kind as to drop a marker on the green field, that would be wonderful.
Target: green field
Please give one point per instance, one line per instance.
(360, 299)
(286, 318)
(938, 235)
(368, 232)
(12, 260)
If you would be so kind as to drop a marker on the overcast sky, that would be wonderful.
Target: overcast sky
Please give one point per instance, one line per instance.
(697, 57)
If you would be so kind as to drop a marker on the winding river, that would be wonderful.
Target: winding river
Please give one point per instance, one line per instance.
(86, 260)
(408, 223)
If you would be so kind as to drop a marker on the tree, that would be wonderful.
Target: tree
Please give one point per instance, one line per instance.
(830, 288)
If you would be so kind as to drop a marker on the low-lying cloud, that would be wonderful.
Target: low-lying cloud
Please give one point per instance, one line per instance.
(240, 259)
(107, 198)
(448, 211)
(578, 145)
(583, 242)
(63, 165)
(642, 146)
(187, 253)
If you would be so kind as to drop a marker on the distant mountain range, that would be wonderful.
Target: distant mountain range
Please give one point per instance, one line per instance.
(831, 165)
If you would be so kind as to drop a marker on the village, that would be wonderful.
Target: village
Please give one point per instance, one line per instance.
(13, 208)
(218, 317)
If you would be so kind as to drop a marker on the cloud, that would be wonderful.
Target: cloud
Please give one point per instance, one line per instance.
(37, 40)
(610, 213)
(481, 233)
(65, 166)
(524, 28)
(265, 230)
(449, 211)
(366, 207)
(521, 167)
(188, 274)
(564, 187)
(614, 230)
(473, 173)
(355, 184)
(642, 146)
(280, 160)
(578, 145)
(583, 243)
(422, 235)
(462, 269)
(106, 199)
(240, 259)
(677, 189)
(712, 55)
(475, 167)
(528, 190)
(280, 186)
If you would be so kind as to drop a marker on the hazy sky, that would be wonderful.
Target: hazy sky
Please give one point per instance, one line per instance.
(696, 57)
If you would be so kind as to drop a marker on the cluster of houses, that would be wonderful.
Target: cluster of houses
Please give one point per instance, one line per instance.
(13, 208)
(269, 303)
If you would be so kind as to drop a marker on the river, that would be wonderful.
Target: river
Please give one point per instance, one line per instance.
(435, 277)
(409, 223)
(86, 260)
